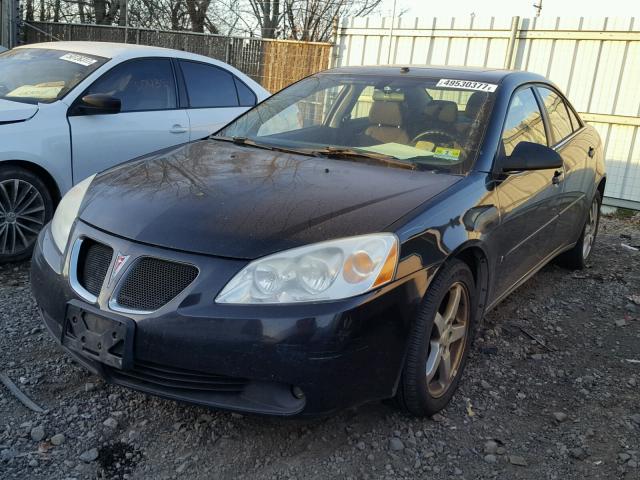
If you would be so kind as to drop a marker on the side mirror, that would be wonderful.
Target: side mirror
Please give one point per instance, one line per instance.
(98, 104)
(531, 156)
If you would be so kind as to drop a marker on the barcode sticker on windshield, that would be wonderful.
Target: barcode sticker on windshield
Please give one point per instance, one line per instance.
(79, 59)
(467, 85)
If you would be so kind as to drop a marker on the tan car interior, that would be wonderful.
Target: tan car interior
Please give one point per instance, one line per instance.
(386, 118)
(393, 121)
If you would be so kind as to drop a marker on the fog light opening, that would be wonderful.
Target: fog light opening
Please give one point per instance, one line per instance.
(297, 392)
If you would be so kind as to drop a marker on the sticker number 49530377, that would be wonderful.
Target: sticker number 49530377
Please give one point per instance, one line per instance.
(467, 85)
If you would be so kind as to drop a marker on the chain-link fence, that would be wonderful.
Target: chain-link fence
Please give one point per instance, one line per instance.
(272, 63)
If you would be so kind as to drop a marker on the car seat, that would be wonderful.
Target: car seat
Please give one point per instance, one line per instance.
(386, 119)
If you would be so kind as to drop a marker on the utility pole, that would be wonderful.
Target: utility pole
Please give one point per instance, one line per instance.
(123, 21)
(9, 23)
(538, 7)
(393, 19)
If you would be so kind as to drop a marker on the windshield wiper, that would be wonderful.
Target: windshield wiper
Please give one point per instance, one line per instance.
(252, 143)
(339, 153)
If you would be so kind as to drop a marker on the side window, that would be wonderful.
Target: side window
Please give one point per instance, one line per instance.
(208, 86)
(524, 122)
(245, 95)
(575, 122)
(141, 85)
(363, 103)
(558, 115)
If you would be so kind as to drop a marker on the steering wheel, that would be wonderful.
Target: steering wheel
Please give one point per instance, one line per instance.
(442, 137)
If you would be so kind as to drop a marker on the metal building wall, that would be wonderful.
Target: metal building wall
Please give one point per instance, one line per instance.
(595, 61)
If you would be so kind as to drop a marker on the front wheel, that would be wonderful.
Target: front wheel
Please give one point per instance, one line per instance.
(439, 342)
(25, 207)
(577, 257)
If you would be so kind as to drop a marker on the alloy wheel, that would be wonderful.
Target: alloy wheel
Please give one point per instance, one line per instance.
(448, 340)
(590, 230)
(22, 215)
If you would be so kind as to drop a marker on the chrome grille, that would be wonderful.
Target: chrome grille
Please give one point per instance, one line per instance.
(93, 263)
(152, 283)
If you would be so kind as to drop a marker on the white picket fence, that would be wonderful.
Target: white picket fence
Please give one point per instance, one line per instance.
(596, 62)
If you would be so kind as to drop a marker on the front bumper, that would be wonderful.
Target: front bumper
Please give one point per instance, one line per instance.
(339, 354)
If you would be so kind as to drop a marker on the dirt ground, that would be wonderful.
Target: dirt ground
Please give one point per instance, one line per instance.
(552, 391)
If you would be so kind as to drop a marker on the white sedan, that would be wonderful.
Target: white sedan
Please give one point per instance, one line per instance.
(71, 109)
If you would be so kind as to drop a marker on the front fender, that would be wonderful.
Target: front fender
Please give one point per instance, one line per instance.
(44, 141)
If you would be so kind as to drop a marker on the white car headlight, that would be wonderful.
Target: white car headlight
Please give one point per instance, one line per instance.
(323, 271)
(67, 212)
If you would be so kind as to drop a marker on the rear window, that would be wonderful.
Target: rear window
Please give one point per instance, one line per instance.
(245, 95)
(40, 75)
(209, 86)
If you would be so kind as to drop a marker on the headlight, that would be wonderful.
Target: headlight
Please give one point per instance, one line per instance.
(323, 271)
(67, 212)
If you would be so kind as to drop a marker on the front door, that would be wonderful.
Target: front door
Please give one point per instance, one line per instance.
(149, 120)
(528, 200)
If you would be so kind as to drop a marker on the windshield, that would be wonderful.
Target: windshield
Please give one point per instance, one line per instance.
(34, 75)
(428, 124)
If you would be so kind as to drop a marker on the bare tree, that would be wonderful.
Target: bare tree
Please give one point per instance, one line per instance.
(105, 11)
(295, 19)
(268, 15)
(198, 13)
(312, 20)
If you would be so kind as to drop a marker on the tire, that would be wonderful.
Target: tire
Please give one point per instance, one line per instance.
(416, 394)
(25, 208)
(577, 257)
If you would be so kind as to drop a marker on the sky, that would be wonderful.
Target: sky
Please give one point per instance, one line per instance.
(524, 8)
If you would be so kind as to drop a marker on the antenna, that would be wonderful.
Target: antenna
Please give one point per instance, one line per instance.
(538, 7)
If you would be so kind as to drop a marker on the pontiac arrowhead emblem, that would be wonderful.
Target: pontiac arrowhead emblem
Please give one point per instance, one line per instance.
(118, 264)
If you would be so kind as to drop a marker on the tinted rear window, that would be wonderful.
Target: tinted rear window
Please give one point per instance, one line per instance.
(209, 86)
(245, 94)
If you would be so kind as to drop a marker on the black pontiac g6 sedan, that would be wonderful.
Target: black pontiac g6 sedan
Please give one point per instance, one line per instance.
(337, 244)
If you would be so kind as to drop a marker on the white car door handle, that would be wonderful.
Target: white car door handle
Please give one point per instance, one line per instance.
(177, 128)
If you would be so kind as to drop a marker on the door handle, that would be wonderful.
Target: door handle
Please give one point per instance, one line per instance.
(557, 177)
(592, 152)
(177, 128)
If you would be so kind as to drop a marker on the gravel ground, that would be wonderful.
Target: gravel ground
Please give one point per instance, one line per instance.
(551, 392)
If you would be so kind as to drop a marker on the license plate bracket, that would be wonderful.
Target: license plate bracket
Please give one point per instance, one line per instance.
(98, 335)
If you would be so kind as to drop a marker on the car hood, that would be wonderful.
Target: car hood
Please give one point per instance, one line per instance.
(11, 112)
(227, 200)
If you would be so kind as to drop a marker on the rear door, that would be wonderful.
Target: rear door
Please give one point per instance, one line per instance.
(214, 97)
(573, 143)
(528, 200)
(149, 120)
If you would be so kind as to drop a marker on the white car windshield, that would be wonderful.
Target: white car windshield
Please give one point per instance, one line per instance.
(34, 75)
(409, 121)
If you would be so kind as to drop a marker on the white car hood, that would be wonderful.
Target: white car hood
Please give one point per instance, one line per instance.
(16, 111)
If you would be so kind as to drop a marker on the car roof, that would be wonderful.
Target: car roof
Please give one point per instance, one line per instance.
(478, 74)
(112, 50)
